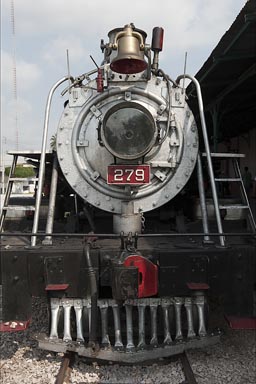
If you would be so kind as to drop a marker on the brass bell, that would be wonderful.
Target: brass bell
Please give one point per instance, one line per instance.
(130, 52)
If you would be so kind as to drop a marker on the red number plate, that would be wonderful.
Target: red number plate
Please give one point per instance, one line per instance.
(128, 174)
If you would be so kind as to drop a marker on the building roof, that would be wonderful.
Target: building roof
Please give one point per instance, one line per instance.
(228, 78)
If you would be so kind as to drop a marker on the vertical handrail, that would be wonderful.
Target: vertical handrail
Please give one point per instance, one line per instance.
(208, 154)
(202, 199)
(42, 159)
(52, 200)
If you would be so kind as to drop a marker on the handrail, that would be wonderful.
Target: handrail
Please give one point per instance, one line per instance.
(208, 153)
(42, 158)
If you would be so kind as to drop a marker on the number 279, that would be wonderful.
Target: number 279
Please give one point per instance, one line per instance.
(136, 175)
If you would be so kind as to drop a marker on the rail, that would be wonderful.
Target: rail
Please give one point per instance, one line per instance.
(63, 376)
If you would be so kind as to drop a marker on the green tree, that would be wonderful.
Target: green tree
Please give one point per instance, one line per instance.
(21, 171)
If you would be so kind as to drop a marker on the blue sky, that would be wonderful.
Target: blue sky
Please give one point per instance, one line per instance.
(44, 30)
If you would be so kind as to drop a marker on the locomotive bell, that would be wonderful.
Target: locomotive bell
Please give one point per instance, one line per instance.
(130, 52)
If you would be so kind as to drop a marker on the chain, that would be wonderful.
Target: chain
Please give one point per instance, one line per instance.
(142, 223)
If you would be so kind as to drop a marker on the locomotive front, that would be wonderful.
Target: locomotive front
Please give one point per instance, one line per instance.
(127, 142)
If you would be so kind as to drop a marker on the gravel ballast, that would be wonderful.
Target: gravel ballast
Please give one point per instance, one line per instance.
(231, 361)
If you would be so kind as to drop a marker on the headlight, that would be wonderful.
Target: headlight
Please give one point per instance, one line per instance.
(129, 131)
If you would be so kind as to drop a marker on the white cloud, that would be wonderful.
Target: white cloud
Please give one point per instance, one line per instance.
(54, 51)
(27, 74)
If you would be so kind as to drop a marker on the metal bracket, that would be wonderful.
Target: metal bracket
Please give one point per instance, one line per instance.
(95, 111)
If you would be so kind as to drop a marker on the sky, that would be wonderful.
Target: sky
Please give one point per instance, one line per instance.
(44, 30)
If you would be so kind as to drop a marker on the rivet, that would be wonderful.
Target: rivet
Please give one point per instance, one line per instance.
(195, 145)
(107, 198)
(61, 157)
(178, 186)
(112, 208)
(85, 195)
(98, 203)
(154, 204)
(166, 196)
(59, 144)
(66, 173)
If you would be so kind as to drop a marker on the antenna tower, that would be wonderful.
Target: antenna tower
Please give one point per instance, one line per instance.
(14, 75)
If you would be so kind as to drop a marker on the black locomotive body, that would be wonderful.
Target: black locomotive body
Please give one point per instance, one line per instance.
(125, 264)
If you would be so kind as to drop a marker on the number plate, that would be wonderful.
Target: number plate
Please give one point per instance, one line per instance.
(128, 174)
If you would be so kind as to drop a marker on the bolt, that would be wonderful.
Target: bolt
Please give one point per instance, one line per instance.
(15, 257)
(16, 278)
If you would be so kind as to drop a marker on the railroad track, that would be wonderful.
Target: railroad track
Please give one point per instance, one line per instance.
(63, 376)
(188, 372)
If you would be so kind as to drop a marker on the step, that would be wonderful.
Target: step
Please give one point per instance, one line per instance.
(23, 179)
(234, 206)
(225, 155)
(19, 208)
(229, 179)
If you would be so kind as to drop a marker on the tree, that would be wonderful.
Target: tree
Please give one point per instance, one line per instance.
(21, 171)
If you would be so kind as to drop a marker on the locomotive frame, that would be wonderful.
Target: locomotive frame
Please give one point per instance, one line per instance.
(147, 288)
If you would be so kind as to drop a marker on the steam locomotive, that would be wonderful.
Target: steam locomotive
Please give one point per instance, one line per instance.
(130, 278)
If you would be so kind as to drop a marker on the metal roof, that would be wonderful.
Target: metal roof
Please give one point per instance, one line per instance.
(228, 79)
